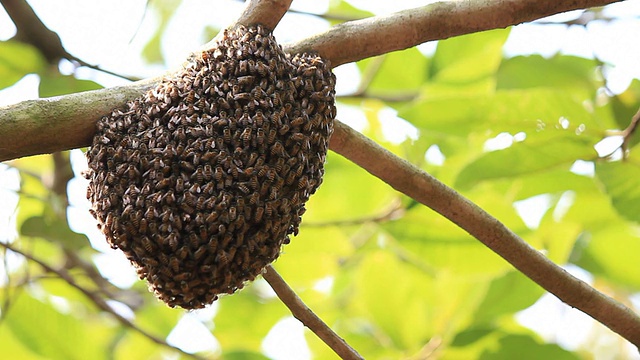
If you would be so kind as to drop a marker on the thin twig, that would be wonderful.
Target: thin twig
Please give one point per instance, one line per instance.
(626, 134)
(33, 31)
(302, 312)
(422, 187)
(395, 97)
(97, 300)
(392, 213)
(629, 131)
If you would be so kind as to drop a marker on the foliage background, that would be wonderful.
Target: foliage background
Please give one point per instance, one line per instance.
(393, 278)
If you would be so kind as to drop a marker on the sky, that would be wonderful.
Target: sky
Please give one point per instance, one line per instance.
(113, 33)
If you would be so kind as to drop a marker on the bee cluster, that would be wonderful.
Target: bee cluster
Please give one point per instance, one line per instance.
(201, 181)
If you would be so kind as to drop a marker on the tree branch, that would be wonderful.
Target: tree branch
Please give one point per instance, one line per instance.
(356, 40)
(31, 30)
(67, 122)
(302, 312)
(422, 187)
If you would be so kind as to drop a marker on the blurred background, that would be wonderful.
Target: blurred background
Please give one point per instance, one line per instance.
(528, 122)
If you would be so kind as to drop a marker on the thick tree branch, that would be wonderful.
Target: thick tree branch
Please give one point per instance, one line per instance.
(422, 187)
(356, 40)
(301, 312)
(47, 125)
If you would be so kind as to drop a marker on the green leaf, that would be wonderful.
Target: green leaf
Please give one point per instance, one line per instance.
(152, 52)
(243, 355)
(346, 193)
(527, 157)
(403, 71)
(133, 345)
(52, 83)
(243, 308)
(625, 105)
(50, 333)
(528, 110)
(569, 73)
(346, 10)
(553, 181)
(621, 181)
(13, 348)
(55, 230)
(524, 347)
(612, 253)
(306, 260)
(468, 58)
(442, 245)
(507, 294)
(470, 336)
(17, 60)
(405, 305)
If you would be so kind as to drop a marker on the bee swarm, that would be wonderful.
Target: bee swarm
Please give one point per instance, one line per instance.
(201, 181)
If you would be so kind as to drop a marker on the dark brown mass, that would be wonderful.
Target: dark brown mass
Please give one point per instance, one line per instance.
(201, 181)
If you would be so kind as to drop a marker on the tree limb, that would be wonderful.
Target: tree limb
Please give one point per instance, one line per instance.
(301, 312)
(422, 187)
(356, 40)
(67, 122)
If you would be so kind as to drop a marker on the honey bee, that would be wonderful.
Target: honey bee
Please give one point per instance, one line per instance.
(246, 136)
(187, 208)
(150, 261)
(147, 244)
(234, 171)
(273, 194)
(207, 172)
(290, 178)
(252, 158)
(283, 129)
(272, 136)
(200, 203)
(182, 277)
(211, 218)
(164, 183)
(193, 240)
(243, 67)
(277, 149)
(222, 102)
(271, 175)
(303, 182)
(205, 56)
(174, 263)
(253, 182)
(227, 135)
(243, 188)
(218, 174)
(259, 213)
(208, 188)
(232, 213)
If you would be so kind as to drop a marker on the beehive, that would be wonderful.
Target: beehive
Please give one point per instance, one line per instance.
(201, 181)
